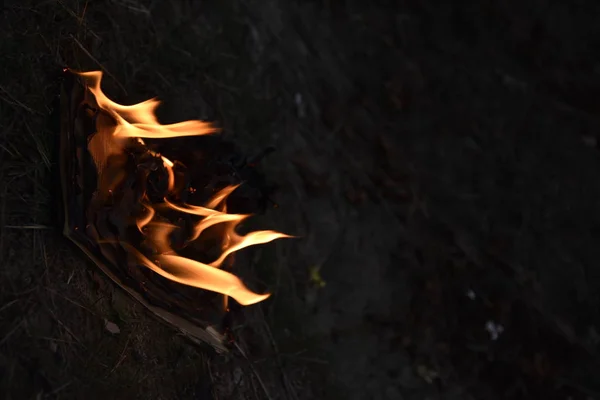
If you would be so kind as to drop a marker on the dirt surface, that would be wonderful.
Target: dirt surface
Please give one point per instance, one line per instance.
(439, 163)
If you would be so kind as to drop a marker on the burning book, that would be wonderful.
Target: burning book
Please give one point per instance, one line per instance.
(163, 228)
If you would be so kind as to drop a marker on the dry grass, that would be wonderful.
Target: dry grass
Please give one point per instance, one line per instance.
(423, 152)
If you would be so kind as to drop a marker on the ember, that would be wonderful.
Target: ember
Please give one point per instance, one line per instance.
(136, 213)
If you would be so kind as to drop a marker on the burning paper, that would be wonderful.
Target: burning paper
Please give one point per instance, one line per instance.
(120, 132)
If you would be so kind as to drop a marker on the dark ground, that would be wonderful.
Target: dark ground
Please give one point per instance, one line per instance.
(439, 162)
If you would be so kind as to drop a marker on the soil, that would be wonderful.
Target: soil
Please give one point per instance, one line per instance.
(438, 162)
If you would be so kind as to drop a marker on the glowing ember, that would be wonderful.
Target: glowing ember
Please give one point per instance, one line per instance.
(116, 130)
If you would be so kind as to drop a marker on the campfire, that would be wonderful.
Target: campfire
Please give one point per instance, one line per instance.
(150, 208)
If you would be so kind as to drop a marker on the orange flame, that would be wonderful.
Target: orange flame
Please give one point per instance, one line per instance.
(142, 119)
(221, 196)
(159, 233)
(237, 242)
(190, 272)
(143, 221)
(139, 121)
(169, 166)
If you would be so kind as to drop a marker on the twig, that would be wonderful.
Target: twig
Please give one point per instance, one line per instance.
(15, 102)
(121, 357)
(60, 388)
(143, 378)
(286, 382)
(33, 237)
(73, 302)
(10, 303)
(254, 390)
(6, 149)
(40, 147)
(212, 379)
(221, 85)
(80, 20)
(2, 221)
(98, 62)
(139, 9)
(45, 257)
(254, 371)
(12, 331)
(35, 226)
(51, 339)
(66, 328)
(307, 359)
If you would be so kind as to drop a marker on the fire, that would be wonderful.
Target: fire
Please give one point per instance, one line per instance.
(169, 166)
(136, 122)
(142, 119)
(145, 220)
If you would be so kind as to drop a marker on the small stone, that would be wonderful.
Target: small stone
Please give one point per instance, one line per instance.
(494, 329)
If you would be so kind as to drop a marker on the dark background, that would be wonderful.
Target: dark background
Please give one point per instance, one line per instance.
(439, 162)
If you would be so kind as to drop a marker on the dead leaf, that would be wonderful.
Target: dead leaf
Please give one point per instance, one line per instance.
(111, 327)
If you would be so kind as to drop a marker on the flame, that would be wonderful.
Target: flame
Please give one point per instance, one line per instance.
(194, 210)
(221, 196)
(237, 242)
(139, 121)
(159, 233)
(169, 167)
(213, 217)
(142, 119)
(145, 220)
(189, 272)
